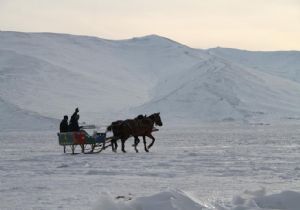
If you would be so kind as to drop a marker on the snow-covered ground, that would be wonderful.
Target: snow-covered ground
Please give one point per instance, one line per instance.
(215, 166)
(231, 153)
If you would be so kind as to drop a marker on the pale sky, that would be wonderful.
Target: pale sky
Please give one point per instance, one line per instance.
(244, 24)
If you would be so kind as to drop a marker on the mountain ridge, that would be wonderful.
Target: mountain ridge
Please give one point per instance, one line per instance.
(111, 79)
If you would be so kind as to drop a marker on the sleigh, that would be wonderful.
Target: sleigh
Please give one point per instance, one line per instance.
(87, 143)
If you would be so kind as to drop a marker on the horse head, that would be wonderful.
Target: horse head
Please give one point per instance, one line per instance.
(156, 119)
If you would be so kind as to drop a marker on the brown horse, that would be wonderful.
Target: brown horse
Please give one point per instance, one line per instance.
(140, 126)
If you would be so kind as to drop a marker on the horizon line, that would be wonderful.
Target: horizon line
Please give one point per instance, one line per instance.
(143, 36)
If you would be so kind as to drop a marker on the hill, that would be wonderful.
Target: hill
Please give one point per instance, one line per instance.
(51, 74)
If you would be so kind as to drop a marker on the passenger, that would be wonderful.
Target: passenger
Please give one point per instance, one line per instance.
(64, 125)
(74, 115)
(73, 126)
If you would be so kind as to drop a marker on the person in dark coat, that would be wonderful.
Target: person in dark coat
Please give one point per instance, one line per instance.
(73, 126)
(64, 125)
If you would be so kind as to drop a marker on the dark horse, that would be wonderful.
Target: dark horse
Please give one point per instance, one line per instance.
(140, 126)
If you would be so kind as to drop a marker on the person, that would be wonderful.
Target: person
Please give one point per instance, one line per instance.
(64, 125)
(73, 126)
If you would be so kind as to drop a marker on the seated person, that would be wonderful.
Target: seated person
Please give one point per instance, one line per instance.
(64, 125)
(74, 124)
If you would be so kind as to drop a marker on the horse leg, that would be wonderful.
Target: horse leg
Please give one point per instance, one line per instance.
(123, 145)
(136, 142)
(114, 145)
(153, 140)
(145, 144)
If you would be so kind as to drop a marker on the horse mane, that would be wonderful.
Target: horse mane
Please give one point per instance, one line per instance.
(152, 116)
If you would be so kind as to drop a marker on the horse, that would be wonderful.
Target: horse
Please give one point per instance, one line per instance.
(134, 127)
(120, 131)
(113, 127)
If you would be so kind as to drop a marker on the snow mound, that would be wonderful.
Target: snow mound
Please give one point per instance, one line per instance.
(178, 200)
(171, 200)
(285, 200)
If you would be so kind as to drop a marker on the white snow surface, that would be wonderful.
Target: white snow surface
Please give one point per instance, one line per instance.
(238, 150)
(212, 167)
(177, 200)
(51, 74)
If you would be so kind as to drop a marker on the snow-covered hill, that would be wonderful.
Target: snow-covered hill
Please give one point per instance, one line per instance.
(217, 90)
(14, 118)
(284, 64)
(51, 74)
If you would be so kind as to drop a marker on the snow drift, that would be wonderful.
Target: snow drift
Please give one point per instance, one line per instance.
(169, 200)
(288, 200)
(178, 200)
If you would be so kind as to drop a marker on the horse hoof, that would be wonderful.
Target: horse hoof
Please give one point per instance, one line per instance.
(146, 150)
(123, 151)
